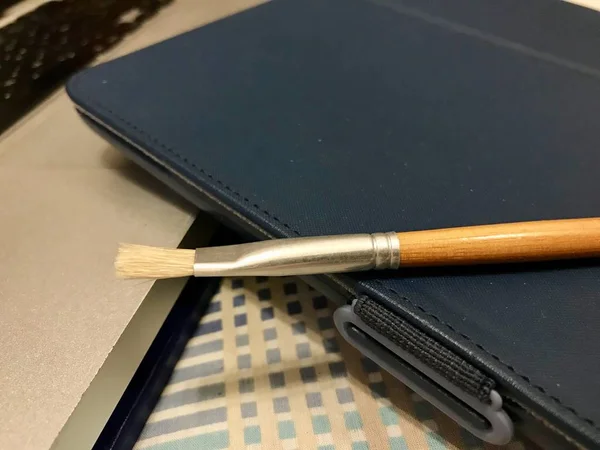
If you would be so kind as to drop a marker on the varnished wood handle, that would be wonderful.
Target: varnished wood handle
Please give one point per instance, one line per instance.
(502, 243)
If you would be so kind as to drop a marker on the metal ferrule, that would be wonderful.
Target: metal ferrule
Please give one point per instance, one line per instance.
(301, 256)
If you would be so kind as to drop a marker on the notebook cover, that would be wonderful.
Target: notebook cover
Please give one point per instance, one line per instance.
(311, 117)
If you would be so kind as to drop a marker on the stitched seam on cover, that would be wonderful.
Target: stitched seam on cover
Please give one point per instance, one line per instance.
(511, 400)
(508, 366)
(389, 290)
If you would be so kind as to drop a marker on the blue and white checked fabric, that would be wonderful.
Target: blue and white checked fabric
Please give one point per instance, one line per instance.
(266, 369)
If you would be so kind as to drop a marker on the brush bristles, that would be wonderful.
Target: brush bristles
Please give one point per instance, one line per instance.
(140, 261)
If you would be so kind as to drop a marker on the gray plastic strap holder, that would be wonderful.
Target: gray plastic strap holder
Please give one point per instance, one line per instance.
(453, 402)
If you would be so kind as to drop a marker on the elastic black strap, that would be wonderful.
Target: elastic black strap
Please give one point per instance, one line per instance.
(454, 368)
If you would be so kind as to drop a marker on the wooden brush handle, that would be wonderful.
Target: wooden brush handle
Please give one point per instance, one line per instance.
(502, 243)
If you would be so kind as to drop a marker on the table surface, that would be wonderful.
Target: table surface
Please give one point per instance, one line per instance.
(67, 200)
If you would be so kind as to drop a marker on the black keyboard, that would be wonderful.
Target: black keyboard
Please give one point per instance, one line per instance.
(40, 50)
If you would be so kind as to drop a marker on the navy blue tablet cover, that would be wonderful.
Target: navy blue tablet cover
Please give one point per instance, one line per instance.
(311, 117)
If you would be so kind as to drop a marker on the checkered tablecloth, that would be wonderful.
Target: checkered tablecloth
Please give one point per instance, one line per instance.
(266, 369)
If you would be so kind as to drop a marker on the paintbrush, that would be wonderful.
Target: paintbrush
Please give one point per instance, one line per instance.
(483, 244)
